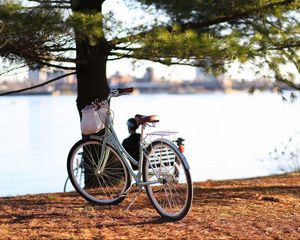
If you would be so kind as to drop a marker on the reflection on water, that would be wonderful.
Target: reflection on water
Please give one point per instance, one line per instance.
(226, 135)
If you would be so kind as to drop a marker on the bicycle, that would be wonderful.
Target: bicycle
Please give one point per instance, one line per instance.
(79, 171)
(100, 171)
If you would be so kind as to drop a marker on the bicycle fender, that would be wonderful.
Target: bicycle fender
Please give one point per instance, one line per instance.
(95, 137)
(175, 148)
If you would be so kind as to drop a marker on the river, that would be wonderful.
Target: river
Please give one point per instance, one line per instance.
(227, 135)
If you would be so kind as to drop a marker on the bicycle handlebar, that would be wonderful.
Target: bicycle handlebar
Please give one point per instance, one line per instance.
(121, 91)
(125, 90)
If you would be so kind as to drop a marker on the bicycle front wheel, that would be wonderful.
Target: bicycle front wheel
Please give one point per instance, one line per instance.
(171, 189)
(99, 178)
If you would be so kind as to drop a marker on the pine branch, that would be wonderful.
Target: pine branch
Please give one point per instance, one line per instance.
(241, 15)
(51, 1)
(61, 49)
(204, 24)
(36, 86)
(55, 65)
(12, 69)
(2, 45)
(196, 62)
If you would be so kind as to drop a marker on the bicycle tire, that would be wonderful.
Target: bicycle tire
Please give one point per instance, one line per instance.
(172, 196)
(103, 187)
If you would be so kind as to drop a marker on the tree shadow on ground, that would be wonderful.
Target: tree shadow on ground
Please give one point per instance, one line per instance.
(153, 221)
(20, 218)
(228, 195)
(214, 193)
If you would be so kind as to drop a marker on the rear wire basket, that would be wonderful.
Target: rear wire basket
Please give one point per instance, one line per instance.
(170, 135)
(161, 154)
(162, 158)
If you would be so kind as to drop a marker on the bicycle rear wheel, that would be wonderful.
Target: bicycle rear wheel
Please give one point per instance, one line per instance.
(100, 180)
(171, 195)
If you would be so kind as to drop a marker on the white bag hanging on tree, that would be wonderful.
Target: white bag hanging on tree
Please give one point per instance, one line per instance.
(93, 119)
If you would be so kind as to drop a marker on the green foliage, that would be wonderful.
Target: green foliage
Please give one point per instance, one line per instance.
(31, 34)
(206, 10)
(202, 33)
(87, 26)
(225, 31)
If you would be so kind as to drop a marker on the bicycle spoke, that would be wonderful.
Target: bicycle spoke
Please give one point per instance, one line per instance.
(171, 197)
(99, 184)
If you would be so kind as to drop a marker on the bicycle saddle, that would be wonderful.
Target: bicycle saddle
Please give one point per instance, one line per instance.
(142, 119)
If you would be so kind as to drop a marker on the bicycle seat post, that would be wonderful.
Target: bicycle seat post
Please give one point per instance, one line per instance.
(143, 130)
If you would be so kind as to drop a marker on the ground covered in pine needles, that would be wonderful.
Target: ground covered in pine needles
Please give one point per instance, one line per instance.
(261, 208)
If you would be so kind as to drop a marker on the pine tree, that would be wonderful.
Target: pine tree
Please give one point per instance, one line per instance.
(75, 34)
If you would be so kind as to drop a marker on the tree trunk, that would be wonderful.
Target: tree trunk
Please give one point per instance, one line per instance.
(91, 60)
(91, 76)
(91, 73)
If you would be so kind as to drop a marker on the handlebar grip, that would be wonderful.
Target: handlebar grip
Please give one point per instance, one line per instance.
(125, 90)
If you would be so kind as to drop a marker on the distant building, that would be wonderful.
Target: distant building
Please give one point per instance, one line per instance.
(208, 81)
(65, 84)
(202, 76)
(71, 79)
(149, 75)
(37, 75)
(117, 79)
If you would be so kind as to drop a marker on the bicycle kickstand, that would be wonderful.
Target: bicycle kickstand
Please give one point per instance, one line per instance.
(135, 197)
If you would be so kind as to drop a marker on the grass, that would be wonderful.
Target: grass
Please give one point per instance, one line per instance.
(259, 208)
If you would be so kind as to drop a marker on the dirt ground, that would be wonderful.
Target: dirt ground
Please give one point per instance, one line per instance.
(261, 208)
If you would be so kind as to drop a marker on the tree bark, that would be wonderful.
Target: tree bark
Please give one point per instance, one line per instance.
(92, 82)
(91, 73)
(90, 60)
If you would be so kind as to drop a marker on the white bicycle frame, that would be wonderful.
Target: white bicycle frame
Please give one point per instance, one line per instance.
(110, 137)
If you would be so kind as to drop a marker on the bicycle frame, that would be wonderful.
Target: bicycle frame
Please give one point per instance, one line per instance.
(101, 170)
(110, 137)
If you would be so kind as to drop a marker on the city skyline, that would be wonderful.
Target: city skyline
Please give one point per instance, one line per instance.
(169, 73)
(126, 67)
